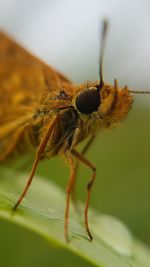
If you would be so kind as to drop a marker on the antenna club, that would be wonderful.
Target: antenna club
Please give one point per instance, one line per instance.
(105, 26)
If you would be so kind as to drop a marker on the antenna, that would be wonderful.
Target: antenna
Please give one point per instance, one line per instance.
(139, 92)
(103, 41)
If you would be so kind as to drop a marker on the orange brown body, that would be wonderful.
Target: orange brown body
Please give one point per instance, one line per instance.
(42, 110)
(31, 94)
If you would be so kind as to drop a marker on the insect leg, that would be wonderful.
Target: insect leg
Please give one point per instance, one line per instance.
(37, 159)
(89, 188)
(68, 193)
(84, 150)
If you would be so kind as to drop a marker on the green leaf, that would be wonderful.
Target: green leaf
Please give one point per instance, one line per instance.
(42, 211)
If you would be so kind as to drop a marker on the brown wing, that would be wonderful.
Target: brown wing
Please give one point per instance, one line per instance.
(24, 80)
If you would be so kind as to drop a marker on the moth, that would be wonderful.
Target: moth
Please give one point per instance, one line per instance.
(41, 109)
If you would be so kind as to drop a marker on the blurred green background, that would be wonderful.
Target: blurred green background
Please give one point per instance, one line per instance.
(121, 189)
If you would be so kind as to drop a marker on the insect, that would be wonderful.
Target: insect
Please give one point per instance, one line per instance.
(41, 109)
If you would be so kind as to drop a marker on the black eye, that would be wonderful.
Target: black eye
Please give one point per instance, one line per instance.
(88, 101)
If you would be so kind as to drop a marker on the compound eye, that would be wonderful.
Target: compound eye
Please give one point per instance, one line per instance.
(88, 101)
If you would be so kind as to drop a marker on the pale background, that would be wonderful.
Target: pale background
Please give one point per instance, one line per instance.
(65, 33)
